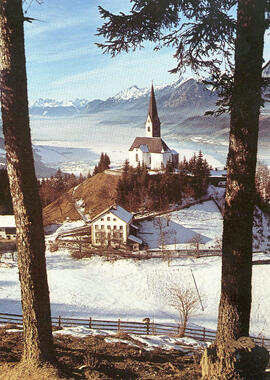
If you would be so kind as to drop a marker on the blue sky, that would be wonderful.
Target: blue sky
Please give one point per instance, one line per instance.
(64, 63)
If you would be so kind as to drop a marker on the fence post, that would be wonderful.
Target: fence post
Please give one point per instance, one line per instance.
(90, 322)
(119, 325)
(147, 327)
(59, 321)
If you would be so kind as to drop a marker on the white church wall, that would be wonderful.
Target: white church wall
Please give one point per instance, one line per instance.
(156, 161)
(136, 156)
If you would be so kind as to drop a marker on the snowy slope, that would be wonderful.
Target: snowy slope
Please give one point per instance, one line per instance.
(131, 290)
(203, 219)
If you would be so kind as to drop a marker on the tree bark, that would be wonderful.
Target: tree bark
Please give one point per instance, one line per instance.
(38, 343)
(235, 302)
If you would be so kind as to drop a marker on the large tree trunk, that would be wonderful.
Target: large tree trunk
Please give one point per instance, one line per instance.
(230, 357)
(38, 345)
(235, 303)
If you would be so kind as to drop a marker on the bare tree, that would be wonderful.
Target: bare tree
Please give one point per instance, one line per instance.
(185, 301)
(195, 243)
(218, 243)
(163, 239)
(38, 343)
(262, 181)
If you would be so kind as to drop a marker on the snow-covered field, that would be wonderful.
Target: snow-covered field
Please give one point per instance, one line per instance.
(131, 290)
(202, 219)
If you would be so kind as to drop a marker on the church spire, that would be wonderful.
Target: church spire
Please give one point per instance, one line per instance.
(152, 124)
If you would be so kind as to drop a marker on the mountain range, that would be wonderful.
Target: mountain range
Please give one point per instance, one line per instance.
(183, 95)
(181, 108)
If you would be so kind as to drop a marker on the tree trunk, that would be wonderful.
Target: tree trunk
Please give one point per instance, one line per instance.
(235, 302)
(38, 343)
(234, 309)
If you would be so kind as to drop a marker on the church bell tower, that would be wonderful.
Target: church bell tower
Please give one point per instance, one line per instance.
(152, 125)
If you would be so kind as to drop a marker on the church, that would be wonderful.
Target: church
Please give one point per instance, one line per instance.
(151, 150)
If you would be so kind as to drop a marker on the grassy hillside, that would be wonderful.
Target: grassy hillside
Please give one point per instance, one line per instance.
(97, 193)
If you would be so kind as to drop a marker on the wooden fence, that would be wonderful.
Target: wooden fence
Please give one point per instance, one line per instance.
(131, 327)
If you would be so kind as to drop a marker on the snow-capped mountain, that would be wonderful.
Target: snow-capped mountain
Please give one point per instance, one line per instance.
(53, 107)
(181, 97)
(131, 93)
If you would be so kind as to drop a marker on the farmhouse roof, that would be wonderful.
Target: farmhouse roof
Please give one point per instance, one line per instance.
(155, 144)
(118, 211)
(7, 221)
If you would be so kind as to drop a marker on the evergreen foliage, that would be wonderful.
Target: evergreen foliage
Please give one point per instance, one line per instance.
(53, 187)
(203, 40)
(103, 164)
(197, 170)
(137, 190)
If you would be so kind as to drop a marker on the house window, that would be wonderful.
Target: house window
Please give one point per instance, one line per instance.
(137, 157)
(102, 226)
(108, 218)
(150, 160)
(96, 227)
(121, 236)
(114, 227)
(114, 219)
(102, 218)
(121, 227)
(108, 227)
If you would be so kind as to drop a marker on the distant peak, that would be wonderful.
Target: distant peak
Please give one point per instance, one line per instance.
(132, 92)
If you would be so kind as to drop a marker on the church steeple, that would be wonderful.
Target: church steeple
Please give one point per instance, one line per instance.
(152, 125)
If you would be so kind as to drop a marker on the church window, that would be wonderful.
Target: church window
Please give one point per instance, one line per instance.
(148, 129)
(150, 160)
(137, 157)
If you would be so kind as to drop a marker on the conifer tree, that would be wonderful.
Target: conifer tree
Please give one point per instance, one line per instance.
(38, 341)
(208, 33)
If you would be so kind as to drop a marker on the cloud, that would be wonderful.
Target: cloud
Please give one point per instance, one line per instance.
(135, 68)
(43, 27)
(58, 56)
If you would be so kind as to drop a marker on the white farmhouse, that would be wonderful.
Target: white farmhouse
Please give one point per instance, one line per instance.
(151, 150)
(114, 227)
(7, 227)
